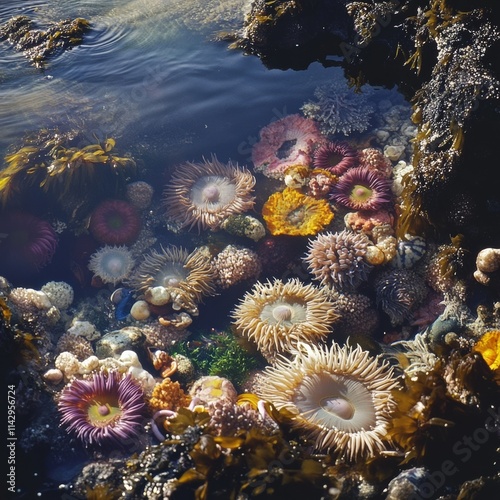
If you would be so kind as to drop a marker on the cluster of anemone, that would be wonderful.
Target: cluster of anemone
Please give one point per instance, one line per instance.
(112, 264)
(295, 214)
(320, 182)
(174, 276)
(205, 194)
(27, 243)
(339, 260)
(277, 315)
(336, 157)
(115, 222)
(374, 159)
(284, 143)
(362, 189)
(235, 264)
(104, 410)
(228, 418)
(340, 396)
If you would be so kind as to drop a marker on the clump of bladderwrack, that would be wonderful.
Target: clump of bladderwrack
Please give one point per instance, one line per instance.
(58, 165)
(193, 462)
(448, 409)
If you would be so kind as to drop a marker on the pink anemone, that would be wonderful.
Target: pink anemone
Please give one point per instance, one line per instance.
(284, 143)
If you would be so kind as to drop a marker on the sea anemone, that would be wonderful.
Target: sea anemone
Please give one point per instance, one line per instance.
(115, 222)
(111, 264)
(180, 277)
(295, 214)
(489, 348)
(362, 189)
(341, 397)
(104, 410)
(284, 143)
(205, 194)
(338, 259)
(277, 315)
(336, 157)
(27, 243)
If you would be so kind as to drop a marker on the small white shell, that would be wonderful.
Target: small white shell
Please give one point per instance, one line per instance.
(54, 375)
(140, 310)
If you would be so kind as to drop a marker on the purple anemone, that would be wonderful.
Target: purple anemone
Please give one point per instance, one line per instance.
(337, 157)
(361, 188)
(27, 243)
(104, 410)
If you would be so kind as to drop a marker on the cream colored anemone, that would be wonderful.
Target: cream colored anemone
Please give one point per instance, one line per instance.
(341, 397)
(175, 276)
(205, 194)
(276, 315)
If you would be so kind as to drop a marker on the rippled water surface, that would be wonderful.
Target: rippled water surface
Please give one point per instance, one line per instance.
(150, 74)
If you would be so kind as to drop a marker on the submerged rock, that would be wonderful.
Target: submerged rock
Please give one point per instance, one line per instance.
(114, 343)
(291, 34)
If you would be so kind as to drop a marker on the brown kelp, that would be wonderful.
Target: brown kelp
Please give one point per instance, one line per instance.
(60, 167)
(36, 44)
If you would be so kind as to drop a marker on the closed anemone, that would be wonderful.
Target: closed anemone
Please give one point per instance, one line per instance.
(340, 396)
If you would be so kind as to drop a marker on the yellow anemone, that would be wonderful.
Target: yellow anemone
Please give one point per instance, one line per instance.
(489, 348)
(295, 214)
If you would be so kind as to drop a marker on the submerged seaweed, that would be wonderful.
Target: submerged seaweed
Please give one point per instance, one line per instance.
(38, 45)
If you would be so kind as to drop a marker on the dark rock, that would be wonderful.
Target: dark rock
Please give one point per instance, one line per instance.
(37, 45)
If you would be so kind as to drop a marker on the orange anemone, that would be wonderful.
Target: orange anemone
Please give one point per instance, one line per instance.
(295, 214)
(489, 348)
